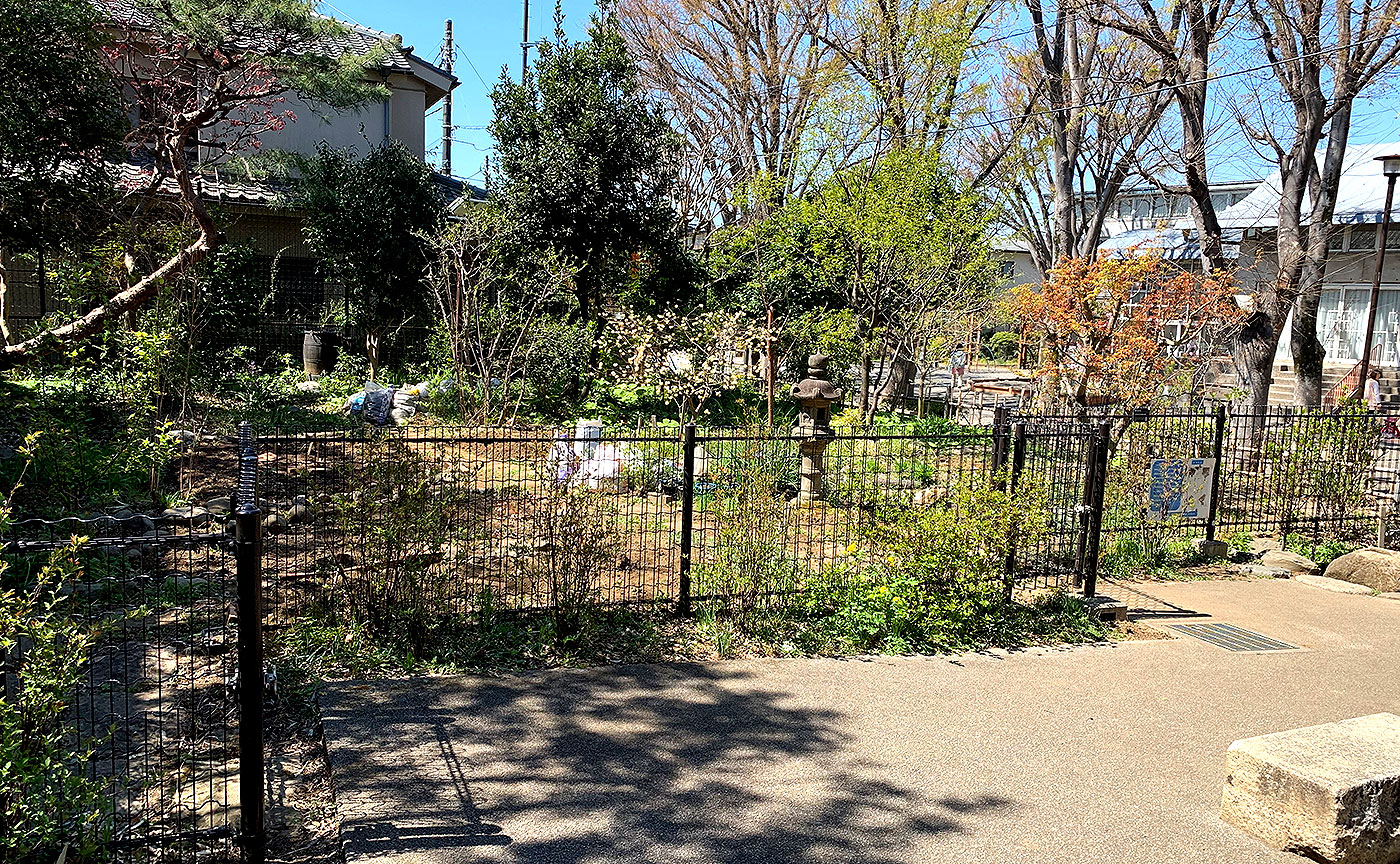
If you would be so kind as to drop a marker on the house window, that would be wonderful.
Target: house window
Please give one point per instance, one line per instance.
(1363, 238)
(1181, 205)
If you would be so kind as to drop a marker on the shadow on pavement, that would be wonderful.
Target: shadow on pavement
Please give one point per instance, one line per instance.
(650, 763)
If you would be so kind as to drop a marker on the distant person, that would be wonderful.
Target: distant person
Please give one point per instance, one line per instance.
(1373, 390)
(957, 364)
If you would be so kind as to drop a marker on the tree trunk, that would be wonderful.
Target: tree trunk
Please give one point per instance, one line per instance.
(1254, 354)
(372, 338)
(1308, 352)
(89, 324)
(901, 373)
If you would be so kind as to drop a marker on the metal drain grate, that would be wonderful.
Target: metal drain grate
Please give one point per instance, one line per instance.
(1233, 638)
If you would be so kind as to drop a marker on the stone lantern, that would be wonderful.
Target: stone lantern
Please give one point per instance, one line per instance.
(814, 395)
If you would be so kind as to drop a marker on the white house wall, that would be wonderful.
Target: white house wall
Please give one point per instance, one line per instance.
(402, 117)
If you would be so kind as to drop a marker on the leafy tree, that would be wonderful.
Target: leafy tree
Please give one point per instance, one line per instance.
(586, 164)
(206, 77)
(371, 219)
(1124, 330)
(912, 252)
(60, 115)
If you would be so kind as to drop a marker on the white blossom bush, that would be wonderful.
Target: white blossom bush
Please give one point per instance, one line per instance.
(685, 359)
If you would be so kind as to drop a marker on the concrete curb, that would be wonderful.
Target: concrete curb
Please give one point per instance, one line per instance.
(1327, 583)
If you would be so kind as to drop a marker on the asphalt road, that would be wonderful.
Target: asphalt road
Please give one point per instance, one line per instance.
(1093, 754)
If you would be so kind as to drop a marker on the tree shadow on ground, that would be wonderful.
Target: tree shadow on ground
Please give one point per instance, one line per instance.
(642, 763)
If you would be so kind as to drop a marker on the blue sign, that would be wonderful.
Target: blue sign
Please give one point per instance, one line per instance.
(1181, 488)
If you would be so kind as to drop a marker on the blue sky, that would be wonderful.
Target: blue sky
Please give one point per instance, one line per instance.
(487, 33)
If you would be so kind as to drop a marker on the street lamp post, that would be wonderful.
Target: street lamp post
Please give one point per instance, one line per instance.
(1390, 167)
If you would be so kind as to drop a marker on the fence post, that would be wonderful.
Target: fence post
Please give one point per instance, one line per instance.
(687, 514)
(1091, 459)
(1095, 534)
(1218, 451)
(1018, 464)
(248, 543)
(1001, 437)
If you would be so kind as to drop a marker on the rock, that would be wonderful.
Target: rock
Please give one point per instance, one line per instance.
(309, 386)
(183, 437)
(1329, 793)
(182, 582)
(1259, 571)
(273, 523)
(297, 513)
(1376, 568)
(195, 516)
(221, 506)
(1390, 595)
(1260, 545)
(1290, 561)
(1327, 584)
(1211, 548)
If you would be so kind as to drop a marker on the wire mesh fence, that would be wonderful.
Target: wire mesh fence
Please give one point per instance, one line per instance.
(448, 520)
(121, 679)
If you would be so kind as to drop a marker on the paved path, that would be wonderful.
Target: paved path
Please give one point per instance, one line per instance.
(1095, 754)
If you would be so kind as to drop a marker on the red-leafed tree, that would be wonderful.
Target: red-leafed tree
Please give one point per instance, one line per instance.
(203, 80)
(1125, 331)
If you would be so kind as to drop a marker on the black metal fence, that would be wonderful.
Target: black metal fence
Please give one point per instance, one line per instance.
(445, 520)
(153, 619)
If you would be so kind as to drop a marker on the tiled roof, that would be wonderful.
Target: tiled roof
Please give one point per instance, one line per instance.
(221, 184)
(355, 40)
(226, 184)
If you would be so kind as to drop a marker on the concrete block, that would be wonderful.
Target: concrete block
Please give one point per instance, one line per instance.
(1104, 608)
(1330, 793)
(1211, 548)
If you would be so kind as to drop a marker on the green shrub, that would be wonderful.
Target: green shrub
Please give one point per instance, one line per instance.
(1321, 550)
(47, 799)
(1003, 345)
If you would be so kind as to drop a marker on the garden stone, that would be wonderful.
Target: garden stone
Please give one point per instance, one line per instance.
(1330, 792)
(297, 513)
(184, 437)
(1290, 561)
(182, 582)
(195, 516)
(1260, 545)
(273, 523)
(309, 386)
(221, 506)
(1376, 568)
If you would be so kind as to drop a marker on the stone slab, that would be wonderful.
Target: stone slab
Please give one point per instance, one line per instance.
(1330, 792)
(1329, 584)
